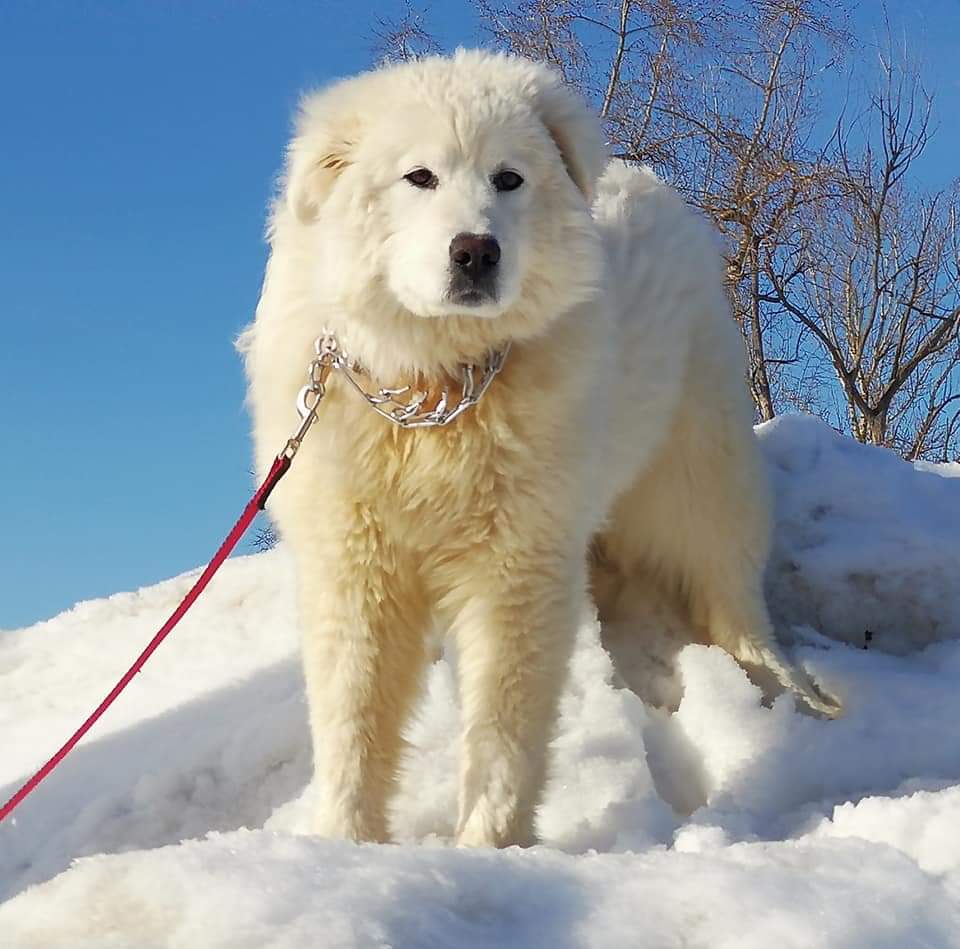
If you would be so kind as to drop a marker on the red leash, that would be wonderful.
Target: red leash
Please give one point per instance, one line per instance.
(254, 506)
(308, 401)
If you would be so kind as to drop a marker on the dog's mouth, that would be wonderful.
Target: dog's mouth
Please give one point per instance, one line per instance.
(471, 297)
(472, 294)
(472, 290)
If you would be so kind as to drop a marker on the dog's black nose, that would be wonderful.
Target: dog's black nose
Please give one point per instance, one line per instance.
(476, 255)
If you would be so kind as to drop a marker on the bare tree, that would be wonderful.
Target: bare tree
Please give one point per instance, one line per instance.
(873, 274)
(265, 538)
(632, 58)
(756, 168)
(403, 38)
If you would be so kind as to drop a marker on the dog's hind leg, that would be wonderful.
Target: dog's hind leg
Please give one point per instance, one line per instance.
(698, 519)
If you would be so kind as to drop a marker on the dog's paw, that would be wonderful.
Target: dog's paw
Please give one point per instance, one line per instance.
(799, 681)
(819, 700)
(349, 827)
(479, 831)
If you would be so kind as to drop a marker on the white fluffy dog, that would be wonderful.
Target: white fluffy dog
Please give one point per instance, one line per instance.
(432, 213)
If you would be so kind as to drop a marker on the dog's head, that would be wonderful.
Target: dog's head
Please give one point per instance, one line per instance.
(459, 187)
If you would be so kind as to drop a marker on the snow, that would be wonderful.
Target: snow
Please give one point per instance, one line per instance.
(864, 541)
(724, 823)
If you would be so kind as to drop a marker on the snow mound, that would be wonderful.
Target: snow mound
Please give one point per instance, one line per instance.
(864, 540)
(725, 824)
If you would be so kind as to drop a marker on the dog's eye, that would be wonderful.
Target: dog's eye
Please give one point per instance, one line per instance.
(506, 181)
(422, 178)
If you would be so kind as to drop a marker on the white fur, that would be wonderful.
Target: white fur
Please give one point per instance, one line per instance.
(620, 424)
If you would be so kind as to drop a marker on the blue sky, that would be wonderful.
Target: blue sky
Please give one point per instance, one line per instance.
(138, 143)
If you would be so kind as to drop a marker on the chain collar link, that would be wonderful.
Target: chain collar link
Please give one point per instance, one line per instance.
(405, 405)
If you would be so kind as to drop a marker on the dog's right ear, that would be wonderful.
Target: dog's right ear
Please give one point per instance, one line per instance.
(321, 148)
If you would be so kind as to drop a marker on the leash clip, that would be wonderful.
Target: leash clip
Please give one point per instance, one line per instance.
(326, 357)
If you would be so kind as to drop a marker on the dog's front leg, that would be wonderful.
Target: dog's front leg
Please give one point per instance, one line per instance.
(363, 648)
(514, 641)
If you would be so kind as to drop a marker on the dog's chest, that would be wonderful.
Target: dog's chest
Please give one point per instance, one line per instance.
(436, 475)
(445, 484)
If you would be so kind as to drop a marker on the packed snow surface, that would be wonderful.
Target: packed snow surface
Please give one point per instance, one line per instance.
(713, 822)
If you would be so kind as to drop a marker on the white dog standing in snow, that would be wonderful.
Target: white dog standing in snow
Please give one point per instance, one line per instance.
(435, 213)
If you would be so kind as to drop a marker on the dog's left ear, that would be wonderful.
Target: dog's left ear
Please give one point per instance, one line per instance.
(575, 130)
